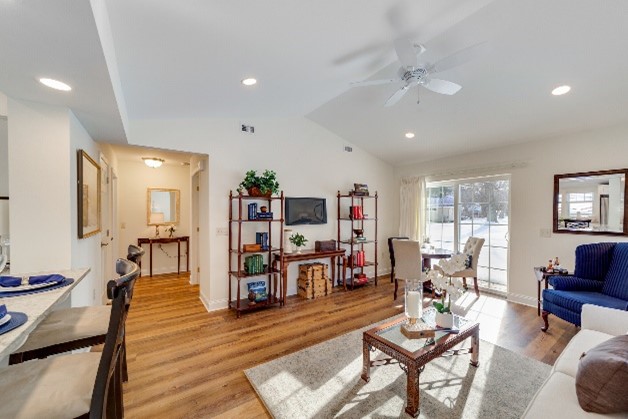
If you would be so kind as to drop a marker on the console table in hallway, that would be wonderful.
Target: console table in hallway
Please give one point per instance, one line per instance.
(164, 240)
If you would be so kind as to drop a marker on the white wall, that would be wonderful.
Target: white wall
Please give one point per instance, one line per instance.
(85, 252)
(4, 176)
(531, 193)
(308, 159)
(39, 185)
(134, 179)
(43, 141)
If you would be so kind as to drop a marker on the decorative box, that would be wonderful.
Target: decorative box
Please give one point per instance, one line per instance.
(324, 245)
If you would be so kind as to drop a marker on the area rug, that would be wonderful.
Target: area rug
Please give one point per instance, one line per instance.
(323, 381)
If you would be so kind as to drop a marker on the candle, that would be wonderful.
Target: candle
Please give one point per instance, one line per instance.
(413, 304)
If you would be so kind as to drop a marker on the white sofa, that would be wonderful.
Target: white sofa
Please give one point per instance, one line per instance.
(557, 396)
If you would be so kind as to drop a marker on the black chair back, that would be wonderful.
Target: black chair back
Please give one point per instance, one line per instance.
(135, 253)
(107, 395)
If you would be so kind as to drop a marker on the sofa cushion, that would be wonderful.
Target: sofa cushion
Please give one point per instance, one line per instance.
(616, 282)
(557, 399)
(593, 260)
(602, 378)
(573, 300)
(585, 340)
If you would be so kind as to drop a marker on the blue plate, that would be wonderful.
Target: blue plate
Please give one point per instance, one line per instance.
(17, 319)
(64, 283)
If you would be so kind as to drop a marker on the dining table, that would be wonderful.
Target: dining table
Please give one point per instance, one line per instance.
(36, 306)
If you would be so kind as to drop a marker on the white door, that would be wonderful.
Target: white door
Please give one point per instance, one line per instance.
(194, 239)
(106, 236)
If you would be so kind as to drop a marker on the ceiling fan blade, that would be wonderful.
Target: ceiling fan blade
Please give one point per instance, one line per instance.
(406, 53)
(460, 57)
(374, 82)
(397, 95)
(443, 87)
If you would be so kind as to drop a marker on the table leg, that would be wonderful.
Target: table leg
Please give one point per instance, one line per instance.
(366, 361)
(151, 260)
(538, 298)
(275, 269)
(187, 255)
(413, 406)
(284, 280)
(178, 257)
(333, 270)
(475, 348)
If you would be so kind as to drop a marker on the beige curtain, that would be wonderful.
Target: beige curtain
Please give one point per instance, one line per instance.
(412, 208)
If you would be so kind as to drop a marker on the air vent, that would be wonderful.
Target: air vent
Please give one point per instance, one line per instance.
(249, 129)
(348, 149)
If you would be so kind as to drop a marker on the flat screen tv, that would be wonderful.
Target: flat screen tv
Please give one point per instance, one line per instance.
(306, 211)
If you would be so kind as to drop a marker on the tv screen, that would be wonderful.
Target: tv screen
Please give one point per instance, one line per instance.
(306, 211)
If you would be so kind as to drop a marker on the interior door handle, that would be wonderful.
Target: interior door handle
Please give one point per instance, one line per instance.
(103, 244)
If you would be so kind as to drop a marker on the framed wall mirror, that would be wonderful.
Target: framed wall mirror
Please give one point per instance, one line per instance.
(88, 195)
(591, 203)
(162, 206)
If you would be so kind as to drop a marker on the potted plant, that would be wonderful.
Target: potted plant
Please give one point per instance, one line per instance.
(450, 288)
(298, 240)
(260, 185)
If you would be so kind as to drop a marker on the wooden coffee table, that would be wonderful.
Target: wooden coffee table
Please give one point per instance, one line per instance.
(413, 354)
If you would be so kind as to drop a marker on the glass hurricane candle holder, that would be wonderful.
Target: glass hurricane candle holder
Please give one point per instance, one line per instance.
(414, 309)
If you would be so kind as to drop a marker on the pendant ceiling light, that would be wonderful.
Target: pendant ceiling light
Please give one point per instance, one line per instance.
(153, 162)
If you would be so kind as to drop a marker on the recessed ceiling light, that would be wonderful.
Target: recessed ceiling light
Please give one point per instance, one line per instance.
(55, 84)
(409, 135)
(249, 82)
(561, 90)
(153, 162)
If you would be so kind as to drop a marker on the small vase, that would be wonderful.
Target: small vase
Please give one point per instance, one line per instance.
(298, 249)
(444, 320)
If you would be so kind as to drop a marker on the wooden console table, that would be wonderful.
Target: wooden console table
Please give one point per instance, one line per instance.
(164, 240)
(285, 260)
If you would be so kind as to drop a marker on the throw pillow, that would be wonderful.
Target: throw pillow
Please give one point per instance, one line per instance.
(602, 377)
(469, 261)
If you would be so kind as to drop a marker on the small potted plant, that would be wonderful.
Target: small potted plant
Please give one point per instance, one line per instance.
(298, 240)
(449, 287)
(265, 185)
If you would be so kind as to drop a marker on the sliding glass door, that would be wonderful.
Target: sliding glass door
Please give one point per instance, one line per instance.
(473, 208)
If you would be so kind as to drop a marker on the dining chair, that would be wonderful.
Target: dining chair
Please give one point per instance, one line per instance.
(391, 252)
(77, 327)
(85, 385)
(409, 264)
(472, 247)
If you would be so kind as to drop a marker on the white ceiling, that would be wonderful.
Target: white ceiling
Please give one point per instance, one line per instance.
(58, 39)
(135, 154)
(186, 59)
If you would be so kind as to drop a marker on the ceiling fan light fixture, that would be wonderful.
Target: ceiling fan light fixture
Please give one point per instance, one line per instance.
(561, 90)
(153, 162)
(55, 84)
(409, 135)
(249, 81)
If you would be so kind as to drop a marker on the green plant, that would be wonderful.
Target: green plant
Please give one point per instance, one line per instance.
(298, 239)
(266, 183)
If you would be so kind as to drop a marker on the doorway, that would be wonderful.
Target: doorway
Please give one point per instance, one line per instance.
(106, 237)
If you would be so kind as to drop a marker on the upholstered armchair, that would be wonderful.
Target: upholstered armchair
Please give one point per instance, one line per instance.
(472, 247)
(409, 262)
(600, 278)
(391, 252)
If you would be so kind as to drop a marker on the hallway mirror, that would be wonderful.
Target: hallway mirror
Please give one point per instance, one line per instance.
(162, 206)
(591, 203)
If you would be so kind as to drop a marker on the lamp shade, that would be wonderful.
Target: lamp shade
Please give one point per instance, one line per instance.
(156, 218)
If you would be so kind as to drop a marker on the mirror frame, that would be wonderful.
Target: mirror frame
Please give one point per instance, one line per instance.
(557, 179)
(178, 205)
(85, 163)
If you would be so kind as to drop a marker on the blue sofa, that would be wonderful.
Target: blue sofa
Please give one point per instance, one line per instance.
(600, 278)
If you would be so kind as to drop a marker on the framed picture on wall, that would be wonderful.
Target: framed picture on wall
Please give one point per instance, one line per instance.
(88, 195)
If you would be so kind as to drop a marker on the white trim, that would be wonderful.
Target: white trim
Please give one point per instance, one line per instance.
(213, 305)
(525, 300)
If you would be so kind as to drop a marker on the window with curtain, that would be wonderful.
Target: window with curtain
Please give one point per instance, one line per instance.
(457, 210)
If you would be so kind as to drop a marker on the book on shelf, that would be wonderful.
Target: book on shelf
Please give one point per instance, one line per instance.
(264, 216)
(356, 212)
(262, 240)
(252, 211)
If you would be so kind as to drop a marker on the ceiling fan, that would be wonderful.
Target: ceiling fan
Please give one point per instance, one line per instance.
(414, 73)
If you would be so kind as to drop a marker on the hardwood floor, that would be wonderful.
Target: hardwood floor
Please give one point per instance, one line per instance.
(185, 362)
